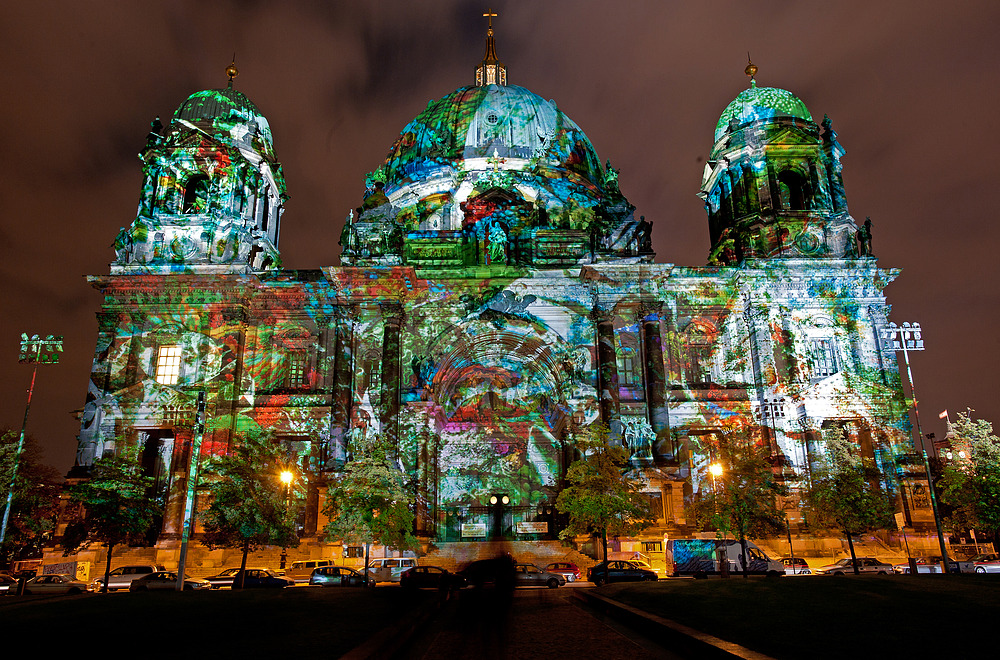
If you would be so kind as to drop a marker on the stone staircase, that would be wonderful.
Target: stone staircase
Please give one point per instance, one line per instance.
(455, 555)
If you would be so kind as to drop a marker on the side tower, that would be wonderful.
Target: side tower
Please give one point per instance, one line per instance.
(189, 334)
(772, 185)
(803, 327)
(213, 192)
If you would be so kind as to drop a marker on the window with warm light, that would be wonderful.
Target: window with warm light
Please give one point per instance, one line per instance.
(168, 365)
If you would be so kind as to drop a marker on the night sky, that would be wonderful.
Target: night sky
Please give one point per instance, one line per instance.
(911, 87)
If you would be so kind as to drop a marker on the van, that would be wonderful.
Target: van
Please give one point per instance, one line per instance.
(701, 558)
(301, 570)
(390, 568)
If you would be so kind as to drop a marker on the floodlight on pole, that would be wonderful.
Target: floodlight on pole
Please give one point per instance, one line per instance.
(34, 350)
(908, 337)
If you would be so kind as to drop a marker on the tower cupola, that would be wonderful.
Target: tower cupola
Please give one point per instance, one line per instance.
(213, 191)
(772, 186)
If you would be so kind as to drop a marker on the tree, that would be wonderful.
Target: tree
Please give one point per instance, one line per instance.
(744, 497)
(117, 506)
(35, 504)
(970, 481)
(602, 496)
(250, 505)
(369, 501)
(848, 493)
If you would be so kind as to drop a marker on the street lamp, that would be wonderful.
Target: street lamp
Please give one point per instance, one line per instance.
(906, 338)
(286, 477)
(33, 351)
(722, 554)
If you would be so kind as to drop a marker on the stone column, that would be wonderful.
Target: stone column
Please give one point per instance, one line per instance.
(607, 370)
(343, 380)
(657, 411)
(392, 314)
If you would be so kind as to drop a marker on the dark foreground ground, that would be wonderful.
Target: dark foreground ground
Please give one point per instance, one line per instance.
(936, 616)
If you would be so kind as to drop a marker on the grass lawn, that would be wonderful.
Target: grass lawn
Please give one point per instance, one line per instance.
(308, 622)
(924, 616)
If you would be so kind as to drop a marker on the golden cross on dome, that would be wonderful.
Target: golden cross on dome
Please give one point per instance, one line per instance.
(490, 14)
(496, 161)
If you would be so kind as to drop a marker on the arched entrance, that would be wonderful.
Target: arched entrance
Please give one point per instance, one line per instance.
(506, 396)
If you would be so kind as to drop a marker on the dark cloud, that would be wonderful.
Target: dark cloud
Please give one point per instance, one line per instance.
(911, 86)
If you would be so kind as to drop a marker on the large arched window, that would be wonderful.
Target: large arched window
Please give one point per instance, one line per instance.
(196, 194)
(791, 187)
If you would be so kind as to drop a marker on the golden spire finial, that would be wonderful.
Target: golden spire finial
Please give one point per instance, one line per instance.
(490, 71)
(751, 70)
(232, 71)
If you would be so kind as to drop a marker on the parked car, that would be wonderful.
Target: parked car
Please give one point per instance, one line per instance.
(795, 566)
(529, 575)
(388, 569)
(167, 581)
(986, 563)
(933, 565)
(224, 578)
(618, 571)
(639, 563)
(568, 570)
(499, 571)
(121, 577)
(845, 567)
(8, 584)
(435, 577)
(339, 576)
(301, 571)
(262, 578)
(56, 583)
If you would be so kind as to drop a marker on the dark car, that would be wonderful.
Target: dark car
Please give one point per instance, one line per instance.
(568, 570)
(529, 575)
(420, 577)
(498, 571)
(167, 581)
(262, 578)
(339, 576)
(619, 571)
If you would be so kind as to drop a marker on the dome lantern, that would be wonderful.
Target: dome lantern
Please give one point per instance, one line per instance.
(490, 71)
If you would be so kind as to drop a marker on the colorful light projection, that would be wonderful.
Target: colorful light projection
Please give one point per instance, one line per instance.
(497, 298)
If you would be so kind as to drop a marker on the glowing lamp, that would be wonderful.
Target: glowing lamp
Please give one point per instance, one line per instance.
(715, 469)
(286, 477)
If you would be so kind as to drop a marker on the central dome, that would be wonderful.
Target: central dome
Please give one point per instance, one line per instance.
(492, 121)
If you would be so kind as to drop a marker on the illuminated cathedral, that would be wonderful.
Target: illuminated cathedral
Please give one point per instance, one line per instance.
(497, 296)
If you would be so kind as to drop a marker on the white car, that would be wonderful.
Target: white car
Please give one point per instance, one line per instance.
(986, 563)
(865, 565)
(58, 583)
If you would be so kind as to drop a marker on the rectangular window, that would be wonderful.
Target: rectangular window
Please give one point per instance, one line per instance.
(354, 551)
(297, 369)
(626, 368)
(168, 365)
(698, 364)
(824, 357)
(652, 547)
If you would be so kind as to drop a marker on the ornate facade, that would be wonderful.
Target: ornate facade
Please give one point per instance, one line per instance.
(497, 295)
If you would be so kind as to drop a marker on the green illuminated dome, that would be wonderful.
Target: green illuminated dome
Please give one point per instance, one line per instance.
(222, 106)
(504, 121)
(757, 103)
